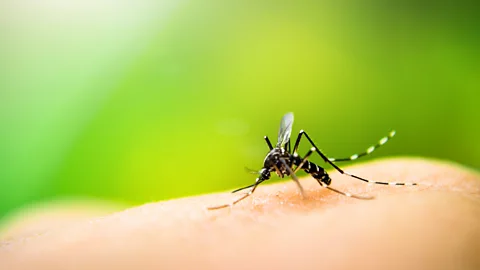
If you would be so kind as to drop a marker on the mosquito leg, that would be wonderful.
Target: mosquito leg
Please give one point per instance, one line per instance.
(278, 171)
(254, 186)
(240, 189)
(294, 177)
(302, 132)
(348, 194)
(231, 204)
(268, 142)
(369, 150)
(297, 142)
(305, 158)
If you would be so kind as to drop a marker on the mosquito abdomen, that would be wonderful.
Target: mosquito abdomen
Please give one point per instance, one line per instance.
(317, 172)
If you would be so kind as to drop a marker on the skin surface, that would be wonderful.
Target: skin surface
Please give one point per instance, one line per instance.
(435, 225)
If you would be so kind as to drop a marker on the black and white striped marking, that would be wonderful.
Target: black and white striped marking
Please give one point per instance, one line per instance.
(369, 150)
(282, 160)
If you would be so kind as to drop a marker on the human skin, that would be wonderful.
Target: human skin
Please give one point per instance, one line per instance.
(435, 225)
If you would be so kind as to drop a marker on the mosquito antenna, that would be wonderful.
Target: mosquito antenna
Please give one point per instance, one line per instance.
(251, 171)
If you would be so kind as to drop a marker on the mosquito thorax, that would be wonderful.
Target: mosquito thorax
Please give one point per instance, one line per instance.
(272, 158)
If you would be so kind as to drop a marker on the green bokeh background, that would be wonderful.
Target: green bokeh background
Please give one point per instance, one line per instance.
(139, 101)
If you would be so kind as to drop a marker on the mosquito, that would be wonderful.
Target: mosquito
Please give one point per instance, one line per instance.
(285, 161)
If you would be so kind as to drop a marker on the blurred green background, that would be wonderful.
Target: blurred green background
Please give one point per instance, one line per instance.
(139, 101)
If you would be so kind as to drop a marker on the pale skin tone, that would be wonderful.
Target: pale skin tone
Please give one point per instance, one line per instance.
(435, 225)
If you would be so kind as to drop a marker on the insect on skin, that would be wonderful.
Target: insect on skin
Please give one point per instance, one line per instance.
(284, 161)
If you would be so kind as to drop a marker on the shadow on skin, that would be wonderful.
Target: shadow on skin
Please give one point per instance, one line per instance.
(435, 225)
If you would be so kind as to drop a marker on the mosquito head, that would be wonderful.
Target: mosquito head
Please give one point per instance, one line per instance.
(264, 174)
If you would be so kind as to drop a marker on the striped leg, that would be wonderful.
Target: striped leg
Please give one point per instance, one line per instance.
(302, 132)
(369, 150)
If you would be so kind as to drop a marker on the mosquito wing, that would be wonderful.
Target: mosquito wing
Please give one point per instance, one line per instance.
(285, 130)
